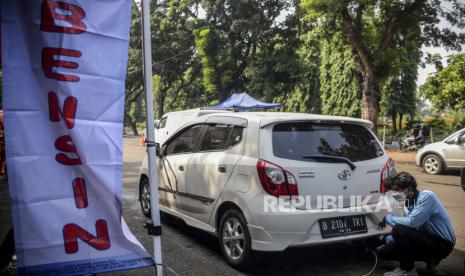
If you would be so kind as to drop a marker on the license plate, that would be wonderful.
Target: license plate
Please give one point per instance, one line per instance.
(342, 226)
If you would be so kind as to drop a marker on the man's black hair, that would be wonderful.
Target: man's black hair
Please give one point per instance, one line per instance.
(402, 180)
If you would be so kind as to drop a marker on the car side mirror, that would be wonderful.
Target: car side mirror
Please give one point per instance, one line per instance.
(163, 149)
(157, 149)
(460, 140)
(451, 141)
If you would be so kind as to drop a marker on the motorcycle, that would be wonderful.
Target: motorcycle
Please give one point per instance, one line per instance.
(412, 144)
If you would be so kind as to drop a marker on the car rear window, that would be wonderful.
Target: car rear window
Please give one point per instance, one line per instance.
(295, 140)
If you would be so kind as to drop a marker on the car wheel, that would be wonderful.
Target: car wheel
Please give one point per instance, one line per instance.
(432, 164)
(235, 242)
(144, 195)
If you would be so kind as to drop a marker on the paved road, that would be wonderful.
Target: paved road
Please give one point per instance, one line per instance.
(187, 251)
(191, 252)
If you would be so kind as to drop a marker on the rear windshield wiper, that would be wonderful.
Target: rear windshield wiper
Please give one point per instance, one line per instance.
(330, 157)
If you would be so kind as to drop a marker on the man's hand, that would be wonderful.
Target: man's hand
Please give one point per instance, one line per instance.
(388, 220)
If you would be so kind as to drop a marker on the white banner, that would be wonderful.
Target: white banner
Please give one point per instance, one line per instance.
(64, 65)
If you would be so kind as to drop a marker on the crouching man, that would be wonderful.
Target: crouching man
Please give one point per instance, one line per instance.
(425, 233)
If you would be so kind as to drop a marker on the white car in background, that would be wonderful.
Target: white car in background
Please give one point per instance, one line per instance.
(448, 154)
(220, 170)
(172, 121)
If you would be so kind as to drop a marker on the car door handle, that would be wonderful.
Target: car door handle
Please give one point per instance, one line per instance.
(181, 167)
(222, 169)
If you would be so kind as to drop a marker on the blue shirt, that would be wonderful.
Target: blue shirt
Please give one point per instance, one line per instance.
(427, 215)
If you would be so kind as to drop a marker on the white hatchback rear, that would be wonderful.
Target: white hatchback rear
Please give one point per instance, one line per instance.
(269, 181)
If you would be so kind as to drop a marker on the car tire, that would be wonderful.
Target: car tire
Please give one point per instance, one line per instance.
(235, 242)
(432, 164)
(144, 196)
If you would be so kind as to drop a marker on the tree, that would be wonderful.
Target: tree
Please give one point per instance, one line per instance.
(285, 68)
(340, 79)
(371, 28)
(446, 89)
(398, 89)
(307, 80)
(173, 47)
(176, 66)
(229, 39)
(134, 75)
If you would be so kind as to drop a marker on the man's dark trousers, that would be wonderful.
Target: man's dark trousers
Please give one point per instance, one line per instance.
(412, 245)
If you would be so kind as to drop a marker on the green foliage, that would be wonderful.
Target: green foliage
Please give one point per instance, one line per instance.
(232, 42)
(308, 87)
(458, 116)
(436, 60)
(285, 69)
(374, 29)
(173, 50)
(317, 56)
(340, 79)
(217, 64)
(134, 75)
(399, 88)
(446, 89)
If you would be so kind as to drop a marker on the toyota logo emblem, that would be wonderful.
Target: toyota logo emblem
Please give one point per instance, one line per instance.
(344, 175)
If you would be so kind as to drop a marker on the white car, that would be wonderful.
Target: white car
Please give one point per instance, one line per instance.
(448, 154)
(222, 172)
(172, 121)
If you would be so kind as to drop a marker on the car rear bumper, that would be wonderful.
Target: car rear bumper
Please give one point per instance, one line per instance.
(278, 231)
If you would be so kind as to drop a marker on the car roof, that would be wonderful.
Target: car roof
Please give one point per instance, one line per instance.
(198, 111)
(268, 118)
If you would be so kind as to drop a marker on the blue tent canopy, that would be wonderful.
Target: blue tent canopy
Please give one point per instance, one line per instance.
(245, 101)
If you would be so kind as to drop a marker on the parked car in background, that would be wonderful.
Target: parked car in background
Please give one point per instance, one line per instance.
(219, 170)
(448, 154)
(172, 121)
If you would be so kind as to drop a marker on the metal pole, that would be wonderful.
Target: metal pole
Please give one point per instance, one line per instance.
(152, 162)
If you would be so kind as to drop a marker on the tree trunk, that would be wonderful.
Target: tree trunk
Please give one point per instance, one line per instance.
(160, 103)
(401, 117)
(370, 102)
(394, 126)
(131, 124)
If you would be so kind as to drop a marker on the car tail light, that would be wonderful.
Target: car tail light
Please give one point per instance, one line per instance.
(275, 180)
(388, 170)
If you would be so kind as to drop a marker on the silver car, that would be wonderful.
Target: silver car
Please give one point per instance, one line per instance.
(448, 154)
